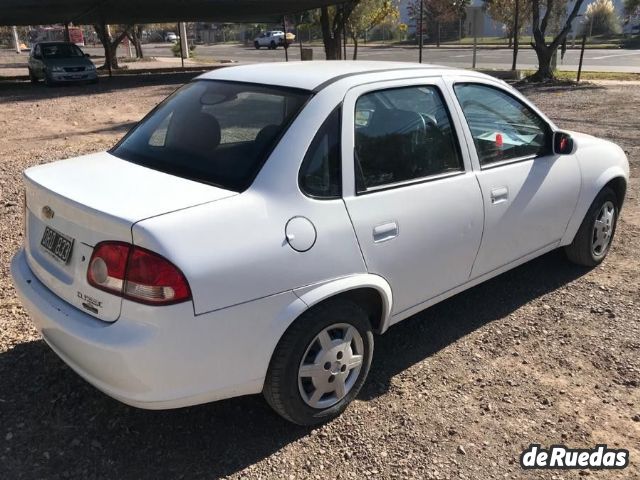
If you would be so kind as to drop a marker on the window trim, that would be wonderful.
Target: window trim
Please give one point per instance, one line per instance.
(337, 110)
(415, 181)
(418, 180)
(508, 161)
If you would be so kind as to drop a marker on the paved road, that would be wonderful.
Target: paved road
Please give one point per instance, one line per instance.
(594, 60)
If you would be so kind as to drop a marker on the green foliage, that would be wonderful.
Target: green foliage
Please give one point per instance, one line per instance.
(601, 18)
(632, 7)
(504, 11)
(371, 13)
(175, 48)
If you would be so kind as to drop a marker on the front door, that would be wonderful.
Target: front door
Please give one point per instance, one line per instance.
(529, 192)
(412, 196)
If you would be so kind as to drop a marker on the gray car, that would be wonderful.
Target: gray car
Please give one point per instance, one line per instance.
(60, 62)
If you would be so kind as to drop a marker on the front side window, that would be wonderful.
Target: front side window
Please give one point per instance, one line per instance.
(214, 132)
(320, 173)
(403, 134)
(503, 128)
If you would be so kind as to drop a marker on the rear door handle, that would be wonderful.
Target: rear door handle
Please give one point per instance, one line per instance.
(499, 195)
(385, 231)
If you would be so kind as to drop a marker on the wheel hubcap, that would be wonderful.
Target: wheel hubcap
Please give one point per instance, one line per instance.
(330, 366)
(603, 229)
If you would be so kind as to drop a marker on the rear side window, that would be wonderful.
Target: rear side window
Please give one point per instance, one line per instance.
(503, 128)
(320, 173)
(214, 132)
(403, 134)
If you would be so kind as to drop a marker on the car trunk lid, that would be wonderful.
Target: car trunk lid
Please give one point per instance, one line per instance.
(91, 199)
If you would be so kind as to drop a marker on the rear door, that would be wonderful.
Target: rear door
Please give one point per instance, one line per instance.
(529, 192)
(409, 188)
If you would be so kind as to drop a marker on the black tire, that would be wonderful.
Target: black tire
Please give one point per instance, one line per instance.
(281, 388)
(257, 45)
(273, 45)
(48, 81)
(32, 77)
(580, 251)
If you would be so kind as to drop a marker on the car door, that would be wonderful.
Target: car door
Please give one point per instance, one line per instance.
(529, 192)
(411, 194)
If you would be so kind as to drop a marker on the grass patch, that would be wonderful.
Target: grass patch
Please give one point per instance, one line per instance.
(565, 75)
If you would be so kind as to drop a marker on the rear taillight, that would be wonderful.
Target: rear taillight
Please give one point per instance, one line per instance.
(136, 274)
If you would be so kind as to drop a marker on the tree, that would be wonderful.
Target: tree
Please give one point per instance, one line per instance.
(601, 18)
(367, 15)
(110, 43)
(632, 7)
(544, 51)
(436, 12)
(333, 22)
(503, 11)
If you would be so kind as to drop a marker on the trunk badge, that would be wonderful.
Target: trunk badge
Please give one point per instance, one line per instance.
(47, 212)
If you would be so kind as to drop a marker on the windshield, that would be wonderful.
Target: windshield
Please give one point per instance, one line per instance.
(213, 131)
(61, 50)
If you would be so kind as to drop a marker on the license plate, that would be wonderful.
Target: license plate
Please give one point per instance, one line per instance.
(57, 244)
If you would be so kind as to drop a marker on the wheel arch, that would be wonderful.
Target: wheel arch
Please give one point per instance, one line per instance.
(614, 177)
(371, 292)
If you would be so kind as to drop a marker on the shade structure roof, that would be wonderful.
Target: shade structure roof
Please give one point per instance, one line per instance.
(80, 12)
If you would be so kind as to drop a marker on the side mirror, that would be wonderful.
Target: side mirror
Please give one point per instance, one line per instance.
(562, 143)
(88, 55)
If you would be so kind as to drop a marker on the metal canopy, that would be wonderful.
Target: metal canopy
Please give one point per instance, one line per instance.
(83, 12)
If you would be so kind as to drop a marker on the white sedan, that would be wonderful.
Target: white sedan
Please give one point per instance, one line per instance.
(258, 227)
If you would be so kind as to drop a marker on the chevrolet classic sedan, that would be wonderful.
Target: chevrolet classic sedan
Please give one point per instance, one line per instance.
(256, 230)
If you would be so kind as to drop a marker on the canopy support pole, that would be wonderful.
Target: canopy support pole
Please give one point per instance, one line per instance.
(107, 44)
(286, 45)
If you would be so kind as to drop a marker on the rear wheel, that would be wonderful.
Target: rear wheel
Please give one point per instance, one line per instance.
(273, 45)
(320, 363)
(593, 240)
(257, 45)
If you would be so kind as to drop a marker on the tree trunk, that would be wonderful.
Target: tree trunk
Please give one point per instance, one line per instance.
(137, 41)
(355, 46)
(330, 36)
(544, 73)
(110, 45)
(438, 34)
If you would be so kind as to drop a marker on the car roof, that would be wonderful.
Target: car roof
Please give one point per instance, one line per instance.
(317, 74)
(55, 43)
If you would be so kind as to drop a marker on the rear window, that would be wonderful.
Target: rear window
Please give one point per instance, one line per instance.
(213, 131)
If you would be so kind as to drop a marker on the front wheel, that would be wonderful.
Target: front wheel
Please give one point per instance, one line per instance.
(32, 77)
(593, 240)
(320, 363)
(273, 45)
(257, 45)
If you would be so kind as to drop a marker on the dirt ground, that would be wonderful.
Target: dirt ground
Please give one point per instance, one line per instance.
(548, 353)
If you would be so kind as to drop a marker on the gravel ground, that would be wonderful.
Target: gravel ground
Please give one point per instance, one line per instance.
(547, 353)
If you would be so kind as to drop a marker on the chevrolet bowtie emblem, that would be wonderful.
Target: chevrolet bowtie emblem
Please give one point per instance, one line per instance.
(47, 212)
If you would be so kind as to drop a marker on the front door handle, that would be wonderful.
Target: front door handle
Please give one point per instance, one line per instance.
(499, 195)
(385, 231)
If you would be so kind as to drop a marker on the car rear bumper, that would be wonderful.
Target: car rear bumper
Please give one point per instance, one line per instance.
(160, 357)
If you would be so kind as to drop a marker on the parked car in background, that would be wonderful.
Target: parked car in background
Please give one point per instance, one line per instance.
(273, 39)
(60, 62)
(256, 230)
(170, 37)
